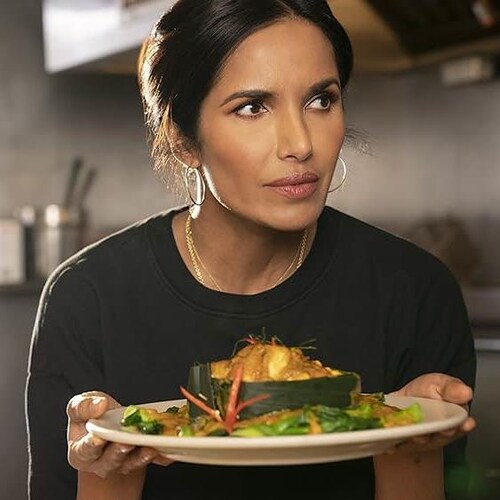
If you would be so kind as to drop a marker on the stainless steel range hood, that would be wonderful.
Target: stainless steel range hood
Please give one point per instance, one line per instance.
(387, 35)
(97, 34)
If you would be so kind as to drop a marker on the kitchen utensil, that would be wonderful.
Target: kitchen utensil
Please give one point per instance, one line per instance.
(87, 183)
(58, 235)
(76, 168)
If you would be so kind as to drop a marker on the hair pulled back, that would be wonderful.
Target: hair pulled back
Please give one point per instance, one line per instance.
(186, 51)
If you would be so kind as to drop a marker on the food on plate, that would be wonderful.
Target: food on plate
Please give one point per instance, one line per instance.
(269, 389)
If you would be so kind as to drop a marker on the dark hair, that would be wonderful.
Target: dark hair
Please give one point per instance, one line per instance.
(187, 49)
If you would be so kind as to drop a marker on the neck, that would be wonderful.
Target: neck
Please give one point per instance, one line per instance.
(238, 256)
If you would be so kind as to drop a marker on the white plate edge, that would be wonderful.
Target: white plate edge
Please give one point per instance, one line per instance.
(227, 442)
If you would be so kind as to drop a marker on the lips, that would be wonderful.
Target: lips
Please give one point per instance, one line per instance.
(297, 186)
(294, 180)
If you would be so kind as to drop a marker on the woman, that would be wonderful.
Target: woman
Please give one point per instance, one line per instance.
(244, 98)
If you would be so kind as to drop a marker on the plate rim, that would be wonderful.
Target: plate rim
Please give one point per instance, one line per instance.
(459, 414)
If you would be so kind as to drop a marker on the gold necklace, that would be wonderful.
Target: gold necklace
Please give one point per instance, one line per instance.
(196, 261)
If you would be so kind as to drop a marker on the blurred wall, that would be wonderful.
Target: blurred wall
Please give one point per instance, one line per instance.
(435, 152)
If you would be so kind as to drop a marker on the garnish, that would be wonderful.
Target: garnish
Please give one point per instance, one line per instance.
(233, 408)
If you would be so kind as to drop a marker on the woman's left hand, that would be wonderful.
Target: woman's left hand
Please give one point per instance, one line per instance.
(444, 388)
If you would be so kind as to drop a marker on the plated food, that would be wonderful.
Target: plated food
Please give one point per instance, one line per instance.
(269, 389)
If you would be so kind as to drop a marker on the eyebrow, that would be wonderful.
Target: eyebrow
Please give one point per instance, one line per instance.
(265, 94)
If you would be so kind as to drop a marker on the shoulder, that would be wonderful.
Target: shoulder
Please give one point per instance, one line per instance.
(116, 255)
(387, 253)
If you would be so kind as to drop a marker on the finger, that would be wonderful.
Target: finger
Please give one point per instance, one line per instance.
(455, 391)
(162, 460)
(85, 450)
(139, 459)
(84, 407)
(429, 442)
(449, 433)
(112, 403)
(420, 440)
(114, 456)
(469, 425)
(442, 439)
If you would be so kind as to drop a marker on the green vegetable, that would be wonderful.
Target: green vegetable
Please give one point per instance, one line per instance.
(412, 414)
(330, 420)
(140, 418)
(152, 427)
(339, 420)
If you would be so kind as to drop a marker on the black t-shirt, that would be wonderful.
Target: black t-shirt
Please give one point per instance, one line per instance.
(125, 316)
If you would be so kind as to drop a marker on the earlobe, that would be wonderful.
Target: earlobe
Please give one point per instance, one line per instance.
(179, 146)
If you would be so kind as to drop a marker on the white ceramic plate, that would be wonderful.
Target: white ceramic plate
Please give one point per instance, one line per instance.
(282, 450)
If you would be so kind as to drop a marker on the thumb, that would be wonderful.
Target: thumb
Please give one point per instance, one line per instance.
(83, 407)
(455, 391)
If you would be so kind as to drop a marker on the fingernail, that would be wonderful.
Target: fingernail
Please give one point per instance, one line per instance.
(98, 400)
(161, 460)
(126, 448)
(96, 440)
(147, 458)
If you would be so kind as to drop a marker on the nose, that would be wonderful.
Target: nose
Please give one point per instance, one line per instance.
(293, 137)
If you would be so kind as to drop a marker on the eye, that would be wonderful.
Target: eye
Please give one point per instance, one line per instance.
(323, 101)
(251, 109)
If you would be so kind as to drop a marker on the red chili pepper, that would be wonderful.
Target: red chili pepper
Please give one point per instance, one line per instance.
(250, 402)
(233, 408)
(200, 404)
(230, 417)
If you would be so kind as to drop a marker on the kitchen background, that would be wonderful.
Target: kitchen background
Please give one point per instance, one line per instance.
(427, 166)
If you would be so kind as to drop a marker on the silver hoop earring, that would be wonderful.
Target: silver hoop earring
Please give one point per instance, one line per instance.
(344, 175)
(195, 187)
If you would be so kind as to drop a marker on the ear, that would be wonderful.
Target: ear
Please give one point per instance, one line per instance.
(181, 147)
(189, 154)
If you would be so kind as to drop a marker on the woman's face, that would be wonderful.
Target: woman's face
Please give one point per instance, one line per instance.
(272, 126)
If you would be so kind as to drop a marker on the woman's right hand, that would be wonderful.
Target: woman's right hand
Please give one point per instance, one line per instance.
(89, 453)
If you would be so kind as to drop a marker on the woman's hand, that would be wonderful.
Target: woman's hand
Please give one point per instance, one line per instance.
(444, 388)
(89, 453)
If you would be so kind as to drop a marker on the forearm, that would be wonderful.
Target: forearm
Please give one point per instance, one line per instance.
(122, 486)
(412, 476)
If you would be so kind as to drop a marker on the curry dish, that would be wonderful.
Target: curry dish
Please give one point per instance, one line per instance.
(268, 389)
